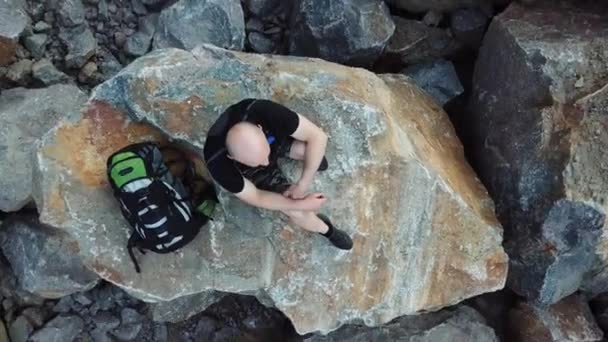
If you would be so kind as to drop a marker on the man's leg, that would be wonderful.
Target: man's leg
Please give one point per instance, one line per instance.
(307, 220)
(297, 151)
(318, 223)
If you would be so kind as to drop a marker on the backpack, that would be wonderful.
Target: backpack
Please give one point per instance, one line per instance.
(155, 202)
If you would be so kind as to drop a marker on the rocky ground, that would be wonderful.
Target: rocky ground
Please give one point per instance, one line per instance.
(523, 82)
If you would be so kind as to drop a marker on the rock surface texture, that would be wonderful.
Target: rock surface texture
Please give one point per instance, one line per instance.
(342, 31)
(569, 320)
(44, 261)
(424, 231)
(189, 23)
(25, 116)
(540, 108)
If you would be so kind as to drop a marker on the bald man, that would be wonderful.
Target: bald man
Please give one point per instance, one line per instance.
(241, 153)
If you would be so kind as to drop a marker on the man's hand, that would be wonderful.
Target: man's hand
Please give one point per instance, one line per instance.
(296, 191)
(312, 202)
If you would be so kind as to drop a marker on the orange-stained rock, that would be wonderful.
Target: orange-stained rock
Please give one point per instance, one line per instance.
(424, 231)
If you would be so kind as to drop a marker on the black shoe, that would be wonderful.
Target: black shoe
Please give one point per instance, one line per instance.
(337, 237)
(324, 165)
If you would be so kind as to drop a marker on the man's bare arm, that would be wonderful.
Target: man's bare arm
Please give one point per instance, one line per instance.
(274, 201)
(316, 142)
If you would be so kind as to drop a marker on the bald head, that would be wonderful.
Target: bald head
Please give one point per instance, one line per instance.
(247, 144)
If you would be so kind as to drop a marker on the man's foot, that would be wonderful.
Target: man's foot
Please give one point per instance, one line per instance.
(337, 237)
(324, 165)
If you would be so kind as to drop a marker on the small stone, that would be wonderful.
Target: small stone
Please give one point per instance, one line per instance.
(468, 26)
(432, 18)
(35, 315)
(20, 72)
(127, 332)
(36, 43)
(22, 52)
(138, 7)
(273, 30)
(20, 329)
(120, 38)
(260, 43)
(438, 79)
(41, 26)
(254, 24)
(71, 12)
(37, 10)
(112, 8)
(8, 304)
(102, 10)
(90, 68)
(3, 332)
(49, 17)
(129, 315)
(81, 45)
(99, 27)
(85, 76)
(91, 13)
(64, 305)
(61, 328)
(45, 72)
(160, 333)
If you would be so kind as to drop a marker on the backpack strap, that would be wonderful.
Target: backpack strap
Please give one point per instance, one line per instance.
(134, 241)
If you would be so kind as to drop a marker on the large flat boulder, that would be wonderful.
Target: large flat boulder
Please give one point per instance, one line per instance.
(424, 231)
(539, 113)
(45, 262)
(25, 116)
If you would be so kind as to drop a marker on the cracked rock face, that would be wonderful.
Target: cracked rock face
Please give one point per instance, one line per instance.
(540, 107)
(424, 231)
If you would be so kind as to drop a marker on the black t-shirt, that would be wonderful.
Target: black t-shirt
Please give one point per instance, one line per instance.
(276, 120)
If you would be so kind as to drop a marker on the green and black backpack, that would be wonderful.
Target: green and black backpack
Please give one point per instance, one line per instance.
(162, 209)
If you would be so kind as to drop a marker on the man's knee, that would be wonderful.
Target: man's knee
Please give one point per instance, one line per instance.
(297, 150)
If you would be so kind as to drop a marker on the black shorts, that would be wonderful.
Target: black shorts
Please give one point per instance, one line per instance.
(270, 178)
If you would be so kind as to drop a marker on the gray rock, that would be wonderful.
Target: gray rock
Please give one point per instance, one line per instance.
(414, 42)
(128, 331)
(262, 8)
(13, 22)
(64, 305)
(438, 79)
(36, 43)
(29, 248)
(47, 73)
(568, 320)
(112, 8)
(139, 43)
(154, 3)
(546, 165)
(129, 315)
(432, 18)
(102, 10)
(454, 214)
(254, 24)
(3, 332)
(20, 329)
(181, 309)
(421, 6)
(37, 316)
(83, 299)
(138, 7)
(104, 323)
(343, 31)
(81, 45)
(41, 26)
(462, 324)
(260, 43)
(160, 333)
(120, 38)
(468, 26)
(70, 12)
(189, 23)
(20, 72)
(60, 329)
